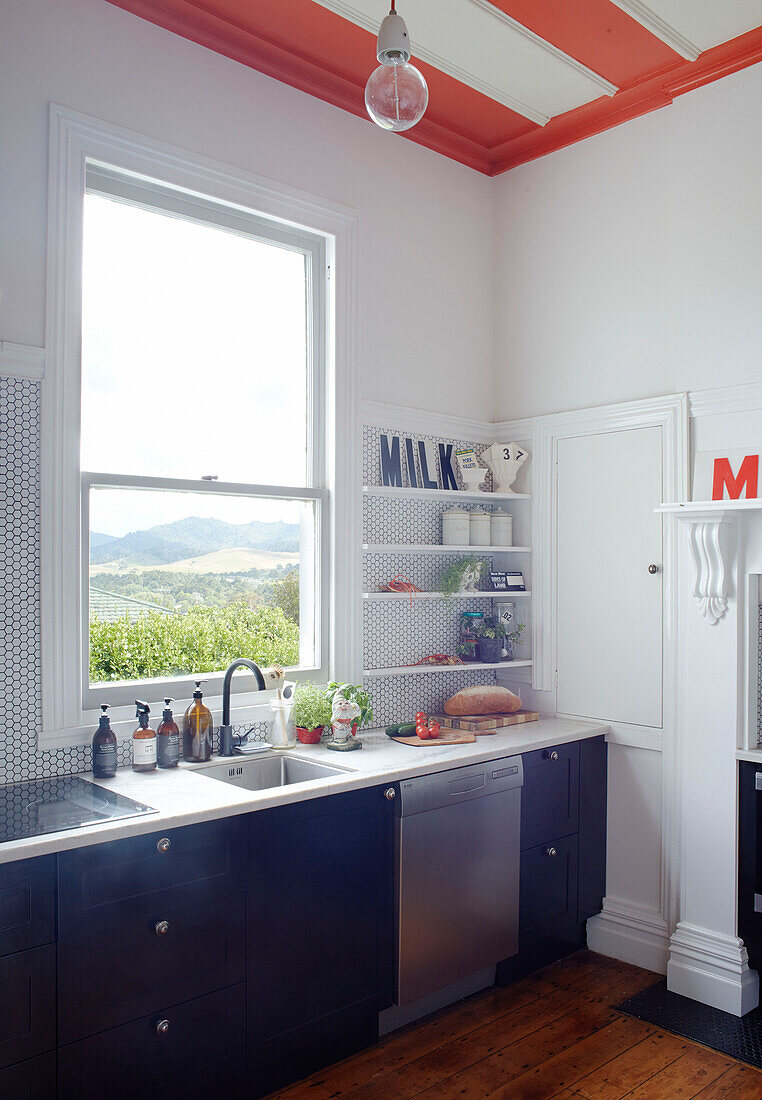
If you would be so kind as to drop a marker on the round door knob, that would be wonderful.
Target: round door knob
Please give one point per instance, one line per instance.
(652, 569)
(161, 927)
(550, 755)
(164, 844)
(551, 853)
(162, 1027)
(390, 794)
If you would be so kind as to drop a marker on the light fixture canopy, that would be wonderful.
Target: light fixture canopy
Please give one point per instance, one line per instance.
(396, 95)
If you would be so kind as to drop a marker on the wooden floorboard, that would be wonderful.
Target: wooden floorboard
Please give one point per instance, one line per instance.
(555, 1035)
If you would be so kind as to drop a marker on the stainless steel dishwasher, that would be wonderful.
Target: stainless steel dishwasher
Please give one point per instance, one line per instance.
(457, 846)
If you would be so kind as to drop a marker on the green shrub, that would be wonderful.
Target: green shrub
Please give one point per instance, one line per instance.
(205, 639)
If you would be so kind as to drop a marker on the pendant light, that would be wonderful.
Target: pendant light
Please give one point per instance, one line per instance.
(396, 94)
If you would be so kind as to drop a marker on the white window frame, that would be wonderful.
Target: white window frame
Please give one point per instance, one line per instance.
(76, 142)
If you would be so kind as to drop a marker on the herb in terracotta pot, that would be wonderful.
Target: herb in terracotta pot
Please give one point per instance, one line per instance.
(310, 712)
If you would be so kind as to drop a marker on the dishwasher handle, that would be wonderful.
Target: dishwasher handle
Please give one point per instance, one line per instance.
(446, 788)
(459, 786)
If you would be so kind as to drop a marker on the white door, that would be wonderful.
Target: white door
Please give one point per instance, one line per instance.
(609, 606)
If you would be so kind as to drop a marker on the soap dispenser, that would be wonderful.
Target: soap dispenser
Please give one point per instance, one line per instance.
(197, 728)
(104, 747)
(143, 741)
(167, 739)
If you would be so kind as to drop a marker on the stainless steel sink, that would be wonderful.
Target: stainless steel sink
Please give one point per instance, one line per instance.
(262, 773)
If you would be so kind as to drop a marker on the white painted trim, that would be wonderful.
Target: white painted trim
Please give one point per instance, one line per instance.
(726, 399)
(630, 932)
(403, 418)
(510, 430)
(622, 733)
(74, 139)
(21, 361)
(659, 27)
(712, 968)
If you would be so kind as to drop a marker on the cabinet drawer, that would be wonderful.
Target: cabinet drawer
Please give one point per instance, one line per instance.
(118, 975)
(33, 1080)
(548, 889)
(125, 880)
(27, 1004)
(550, 798)
(200, 1054)
(27, 904)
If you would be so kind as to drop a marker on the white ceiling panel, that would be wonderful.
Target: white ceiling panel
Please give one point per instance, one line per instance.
(477, 44)
(702, 23)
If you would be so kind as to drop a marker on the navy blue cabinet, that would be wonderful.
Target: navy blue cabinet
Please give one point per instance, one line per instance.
(33, 1080)
(27, 904)
(28, 1004)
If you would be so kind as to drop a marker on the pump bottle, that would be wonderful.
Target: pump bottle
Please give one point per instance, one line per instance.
(167, 739)
(143, 741)
(104, 747)
(197, 728)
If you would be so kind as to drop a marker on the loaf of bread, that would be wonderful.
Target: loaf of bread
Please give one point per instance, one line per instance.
(483, 700)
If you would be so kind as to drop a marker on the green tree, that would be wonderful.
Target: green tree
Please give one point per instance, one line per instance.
(205, 639)
(285, 595)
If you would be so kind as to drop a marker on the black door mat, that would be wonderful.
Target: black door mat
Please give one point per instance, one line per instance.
(738, 1036)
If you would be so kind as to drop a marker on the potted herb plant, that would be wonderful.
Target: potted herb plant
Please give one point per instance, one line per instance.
(355, 694)
(491, 638)
(463, 575)
(310, 712)
(513, 638)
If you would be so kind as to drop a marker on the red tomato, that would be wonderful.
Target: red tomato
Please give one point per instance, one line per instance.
(420, 716)
(434, 727)
(423, 732)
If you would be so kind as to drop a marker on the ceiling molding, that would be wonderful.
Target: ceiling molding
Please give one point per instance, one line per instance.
(21, 361)
(669, 35)
(605, 85)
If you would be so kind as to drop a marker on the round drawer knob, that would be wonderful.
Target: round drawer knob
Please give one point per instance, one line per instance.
(162, 1027)
(164, 844)
(161, 927)
(551, 853)
(652, 569)
(390, 794)
(550, 755)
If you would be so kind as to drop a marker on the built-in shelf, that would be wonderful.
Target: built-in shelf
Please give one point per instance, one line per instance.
(444, 494)
(705, 509)
(438, 548)
(444, 595)
(418, 670)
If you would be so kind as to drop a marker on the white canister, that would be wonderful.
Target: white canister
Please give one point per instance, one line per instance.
(479, 527)
(501, 528)
(455, 530)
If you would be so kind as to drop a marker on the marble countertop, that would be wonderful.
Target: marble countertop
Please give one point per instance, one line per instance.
(184, 797)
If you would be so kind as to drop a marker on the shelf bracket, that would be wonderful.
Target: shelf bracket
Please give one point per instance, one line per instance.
(712, 548)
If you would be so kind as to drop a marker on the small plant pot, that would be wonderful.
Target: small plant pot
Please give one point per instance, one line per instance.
(309, 737)
(490, 650)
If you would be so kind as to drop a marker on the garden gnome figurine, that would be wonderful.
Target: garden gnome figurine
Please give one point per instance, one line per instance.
(344, 715)
(505, 460)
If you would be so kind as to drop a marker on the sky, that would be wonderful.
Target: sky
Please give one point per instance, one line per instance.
(193, 363)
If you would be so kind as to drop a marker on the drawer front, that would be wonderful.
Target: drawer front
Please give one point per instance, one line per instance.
(115, 976)
(109, 884)
(548, 891)
(200, 1054)
(27, 1004)
(550, 798)
(33, 1080)
(27, 904)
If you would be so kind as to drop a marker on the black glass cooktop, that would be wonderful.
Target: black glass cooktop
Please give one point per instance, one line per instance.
(52, 805)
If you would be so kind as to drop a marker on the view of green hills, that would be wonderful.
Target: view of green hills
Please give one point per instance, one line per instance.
(226, 589)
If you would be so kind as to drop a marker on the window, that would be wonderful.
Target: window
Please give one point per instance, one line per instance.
(201, 450)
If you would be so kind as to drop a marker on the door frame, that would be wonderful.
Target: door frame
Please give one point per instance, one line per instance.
(670, 413)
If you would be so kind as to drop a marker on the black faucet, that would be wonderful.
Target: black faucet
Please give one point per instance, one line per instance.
(226, 730)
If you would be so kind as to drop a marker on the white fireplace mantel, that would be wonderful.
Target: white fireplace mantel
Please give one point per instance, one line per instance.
(711, 548)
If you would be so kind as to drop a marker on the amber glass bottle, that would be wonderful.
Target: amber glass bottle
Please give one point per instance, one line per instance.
(104, 748)
(143, 741)
(197, 729)
(167, 739)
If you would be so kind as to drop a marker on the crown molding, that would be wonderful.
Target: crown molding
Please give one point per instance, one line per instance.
(726, 399)
(402, 418)
(659, 27)
(21, 361)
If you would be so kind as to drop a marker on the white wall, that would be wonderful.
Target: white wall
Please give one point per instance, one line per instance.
(424, 231)
(628, 265)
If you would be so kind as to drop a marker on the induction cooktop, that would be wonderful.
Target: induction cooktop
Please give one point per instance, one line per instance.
(52, 805)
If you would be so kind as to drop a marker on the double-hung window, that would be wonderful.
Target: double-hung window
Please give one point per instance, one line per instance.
(201, 449)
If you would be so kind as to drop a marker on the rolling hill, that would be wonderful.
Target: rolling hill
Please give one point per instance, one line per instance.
(192, 538)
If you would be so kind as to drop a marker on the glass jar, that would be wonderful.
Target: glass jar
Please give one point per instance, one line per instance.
(468, 636)
(281, 731)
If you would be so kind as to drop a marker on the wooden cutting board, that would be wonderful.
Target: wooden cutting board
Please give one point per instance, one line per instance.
(446, 737)
(485, 723)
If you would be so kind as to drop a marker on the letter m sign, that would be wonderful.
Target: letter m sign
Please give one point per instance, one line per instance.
(724, 480)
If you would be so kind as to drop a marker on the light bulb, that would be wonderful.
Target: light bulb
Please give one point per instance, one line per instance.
(396, 96)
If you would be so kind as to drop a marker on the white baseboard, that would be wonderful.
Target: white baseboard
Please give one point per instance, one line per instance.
(712, 968)
(631, 933)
